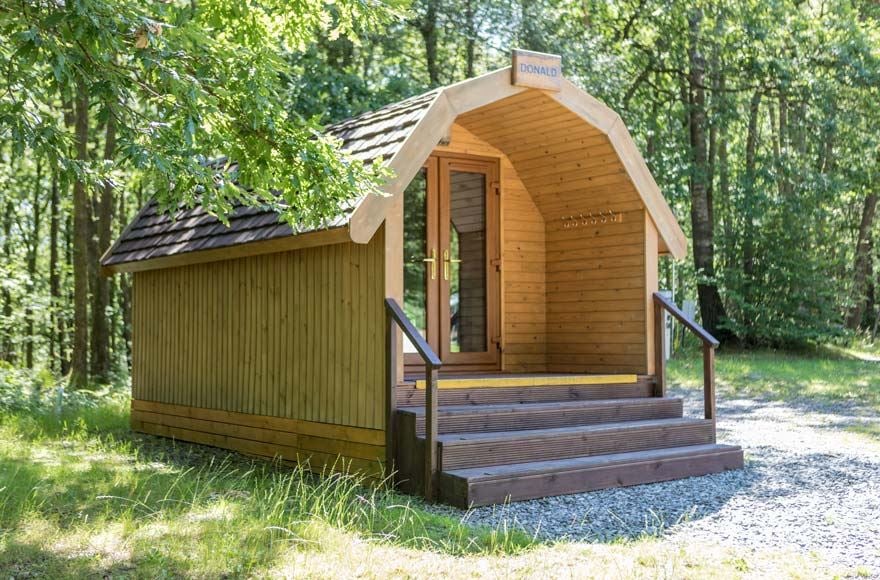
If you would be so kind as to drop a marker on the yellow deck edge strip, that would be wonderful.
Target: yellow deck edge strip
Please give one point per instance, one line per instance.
(485, 382)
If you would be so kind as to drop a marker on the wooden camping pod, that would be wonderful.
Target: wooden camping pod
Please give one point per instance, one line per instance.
(543, 261)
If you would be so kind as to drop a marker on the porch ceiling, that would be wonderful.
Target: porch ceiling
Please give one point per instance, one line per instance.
(568, 166)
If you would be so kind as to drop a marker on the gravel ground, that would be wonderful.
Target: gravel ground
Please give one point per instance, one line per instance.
(809, 485)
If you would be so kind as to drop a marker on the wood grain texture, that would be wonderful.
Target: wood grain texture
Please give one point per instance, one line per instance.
(475, 487)
(298, 335)
(321, 445)
(596, 277)
(522, 269)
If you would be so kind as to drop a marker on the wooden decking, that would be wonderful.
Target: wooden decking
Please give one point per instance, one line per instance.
(497, 444)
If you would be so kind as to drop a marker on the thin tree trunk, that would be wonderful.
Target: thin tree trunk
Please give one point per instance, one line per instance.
(711, 307)
(471, 41)
(751, 176)
(724, 190)
(79, 370)
(64, 321)
(100, 359)
(55, 338)
(6, 329)
(33, 247)
(427, 26)
(862, 259)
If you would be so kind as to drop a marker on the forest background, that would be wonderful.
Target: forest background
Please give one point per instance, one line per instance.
(759, 120)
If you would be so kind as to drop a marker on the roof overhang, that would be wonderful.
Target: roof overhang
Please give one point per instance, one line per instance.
(472, 94)
(408, 132)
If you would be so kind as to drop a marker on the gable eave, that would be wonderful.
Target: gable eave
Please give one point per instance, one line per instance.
(472, 94)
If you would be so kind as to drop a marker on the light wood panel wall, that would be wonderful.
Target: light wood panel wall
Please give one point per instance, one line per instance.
(596, 277)
(296, 335)
(523, 272)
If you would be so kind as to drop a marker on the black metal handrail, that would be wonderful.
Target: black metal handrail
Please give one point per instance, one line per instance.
(710, 343)
(394, 316)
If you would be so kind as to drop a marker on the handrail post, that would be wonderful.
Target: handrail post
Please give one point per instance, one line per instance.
(659, 351)
(709, 380)
(390, 391)
(394, 318)
(430, 431)
(710, 343)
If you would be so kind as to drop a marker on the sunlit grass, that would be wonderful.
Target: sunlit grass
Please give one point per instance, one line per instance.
(827, 374)
(81, 496)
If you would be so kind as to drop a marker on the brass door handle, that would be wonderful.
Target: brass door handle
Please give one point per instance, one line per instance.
(433, 261)
(446, 261)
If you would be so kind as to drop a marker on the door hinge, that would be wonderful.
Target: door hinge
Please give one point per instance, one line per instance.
(496, 187)
(496, 263)
(497, 341)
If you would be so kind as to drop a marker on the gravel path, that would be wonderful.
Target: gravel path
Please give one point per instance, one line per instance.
(809, 485)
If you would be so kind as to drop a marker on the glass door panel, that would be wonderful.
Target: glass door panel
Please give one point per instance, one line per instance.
(420, 260)
(466, 262)
(469, 242)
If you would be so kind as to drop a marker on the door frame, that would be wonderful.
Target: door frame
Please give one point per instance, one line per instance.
(438, 165)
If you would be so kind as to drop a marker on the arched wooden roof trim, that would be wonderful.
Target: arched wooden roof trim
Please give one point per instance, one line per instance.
(472, 94)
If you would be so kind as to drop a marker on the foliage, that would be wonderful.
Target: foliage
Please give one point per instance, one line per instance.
(792, 146)
(183, 83)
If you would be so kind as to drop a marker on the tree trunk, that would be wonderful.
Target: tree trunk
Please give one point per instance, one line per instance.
(79, 369)
(100, 359)
(64, 321)
(751, 176)
(55, 339)
(471, 41)
(427, 26)
(863, 257)
(122, 314)
(7, 345)
(33, 247)
(711, 307)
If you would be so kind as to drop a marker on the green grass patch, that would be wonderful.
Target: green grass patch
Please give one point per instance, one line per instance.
(829, 374)
(81, 495)
(871, 430)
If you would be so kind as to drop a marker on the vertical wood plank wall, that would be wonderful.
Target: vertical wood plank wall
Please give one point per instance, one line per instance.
(523, 274)
(297, 336)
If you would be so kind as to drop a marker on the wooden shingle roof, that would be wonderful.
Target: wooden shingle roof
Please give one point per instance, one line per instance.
(154, 234)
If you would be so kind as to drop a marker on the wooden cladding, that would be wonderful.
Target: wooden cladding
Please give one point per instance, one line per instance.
(522, 260)
(593, 280)
(319, 445)
(297, 335)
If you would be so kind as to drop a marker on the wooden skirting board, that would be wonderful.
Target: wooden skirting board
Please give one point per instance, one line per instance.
(530, 381)
(319, 446)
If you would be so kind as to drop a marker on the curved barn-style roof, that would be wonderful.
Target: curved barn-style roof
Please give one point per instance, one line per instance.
(584, 147)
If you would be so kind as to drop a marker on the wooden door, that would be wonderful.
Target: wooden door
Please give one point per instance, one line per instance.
(451, 251)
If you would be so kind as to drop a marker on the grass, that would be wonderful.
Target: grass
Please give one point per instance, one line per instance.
(827, 374)
(81, 496)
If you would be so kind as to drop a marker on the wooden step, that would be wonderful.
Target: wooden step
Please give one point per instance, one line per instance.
(409, 396)
(522, 481)
(524, 416)
(461, 450)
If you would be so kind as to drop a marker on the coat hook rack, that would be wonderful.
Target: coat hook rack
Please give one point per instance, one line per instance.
(592, 218)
